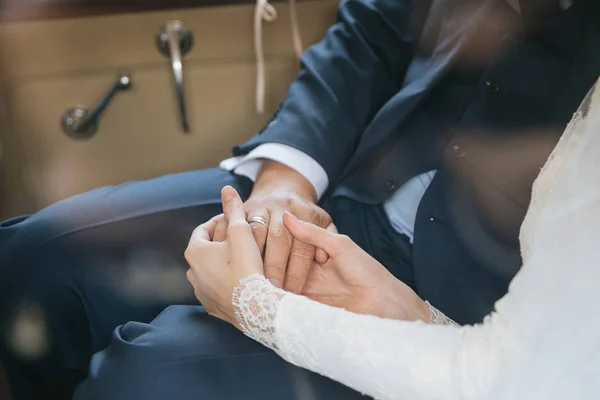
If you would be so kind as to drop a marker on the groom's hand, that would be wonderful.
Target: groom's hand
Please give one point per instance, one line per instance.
(278, 189)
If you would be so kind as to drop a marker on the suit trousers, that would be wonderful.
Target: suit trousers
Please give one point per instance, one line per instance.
(95, 270)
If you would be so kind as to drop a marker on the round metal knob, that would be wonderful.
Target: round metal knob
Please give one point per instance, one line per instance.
(80, 123)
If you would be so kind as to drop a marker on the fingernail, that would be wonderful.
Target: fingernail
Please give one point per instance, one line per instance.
(291, 215)
(229, 195)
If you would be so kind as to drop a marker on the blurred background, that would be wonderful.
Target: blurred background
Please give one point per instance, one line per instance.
(91, 95)
(58, 58)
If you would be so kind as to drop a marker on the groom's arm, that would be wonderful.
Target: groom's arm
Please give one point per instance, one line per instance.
(344, 80)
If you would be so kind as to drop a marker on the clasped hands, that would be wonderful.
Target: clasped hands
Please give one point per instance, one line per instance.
(306, 258)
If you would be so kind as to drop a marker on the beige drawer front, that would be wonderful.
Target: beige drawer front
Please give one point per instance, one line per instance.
(139, 135)
(117, 41)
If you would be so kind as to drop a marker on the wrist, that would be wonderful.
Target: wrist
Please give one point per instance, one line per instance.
(408, 304)
(437, 317)
(274, 176)
(422, 311)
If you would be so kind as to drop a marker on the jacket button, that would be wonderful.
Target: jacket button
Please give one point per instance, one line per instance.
(492, 86)
(459, 152)
(391, 186)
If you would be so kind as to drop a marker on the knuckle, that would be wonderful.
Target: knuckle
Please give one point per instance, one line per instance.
(238, 227)
(279, 235)
(344, 240)
(315, 215)
(309, 215)
(218, 218)
(188, 253)
(258, 230)
(304, 252)
(195, 243)
(289, 201)
(197, 234)
(256, 227)
(325, 218)
(258, 212)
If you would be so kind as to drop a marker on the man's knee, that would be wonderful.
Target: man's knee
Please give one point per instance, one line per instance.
(176, 353)
(181, 332)
(114, 205)
(110, 230)
(186, 354)
(119, 247)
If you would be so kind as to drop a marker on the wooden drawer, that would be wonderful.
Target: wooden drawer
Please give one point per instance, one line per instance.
(52, 65)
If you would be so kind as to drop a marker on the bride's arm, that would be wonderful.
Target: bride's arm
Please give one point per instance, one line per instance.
(386, 359)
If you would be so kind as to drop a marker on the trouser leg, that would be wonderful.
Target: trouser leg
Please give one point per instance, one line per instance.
(74, 271)
(185, 354)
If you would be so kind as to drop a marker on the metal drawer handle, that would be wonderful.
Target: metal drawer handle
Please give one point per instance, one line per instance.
(81, 123)
(175, 40)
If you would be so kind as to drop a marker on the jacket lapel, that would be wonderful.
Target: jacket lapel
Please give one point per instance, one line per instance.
(425, 71)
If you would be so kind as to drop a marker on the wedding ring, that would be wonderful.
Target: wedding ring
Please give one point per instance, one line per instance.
(259, 220)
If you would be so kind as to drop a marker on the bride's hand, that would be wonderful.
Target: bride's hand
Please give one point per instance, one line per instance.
(217, 267)
(352, 279)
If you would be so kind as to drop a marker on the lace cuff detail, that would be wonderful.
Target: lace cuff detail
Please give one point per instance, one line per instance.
(255, 301)
(437, 317)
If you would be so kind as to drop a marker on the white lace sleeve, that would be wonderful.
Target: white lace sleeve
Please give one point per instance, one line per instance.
(541, 343)
(363, 352)
(255, 301)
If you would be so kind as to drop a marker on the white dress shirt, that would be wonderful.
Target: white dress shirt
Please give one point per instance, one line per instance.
(401, 208)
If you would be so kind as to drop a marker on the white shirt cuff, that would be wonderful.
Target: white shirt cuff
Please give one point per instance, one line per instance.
(250, 164)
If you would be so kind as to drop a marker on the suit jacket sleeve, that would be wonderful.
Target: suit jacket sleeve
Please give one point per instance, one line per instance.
(345, 79)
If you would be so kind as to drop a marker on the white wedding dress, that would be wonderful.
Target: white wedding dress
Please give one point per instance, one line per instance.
(542, 342)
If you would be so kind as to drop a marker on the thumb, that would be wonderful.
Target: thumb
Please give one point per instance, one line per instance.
(311, 234)
(320, 255)
(233, 207)
(240, 239)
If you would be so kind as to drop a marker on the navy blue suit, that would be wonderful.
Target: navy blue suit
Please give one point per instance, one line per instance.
(396, 88)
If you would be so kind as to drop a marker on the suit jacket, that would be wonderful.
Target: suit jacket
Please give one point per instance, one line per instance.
(400, 87)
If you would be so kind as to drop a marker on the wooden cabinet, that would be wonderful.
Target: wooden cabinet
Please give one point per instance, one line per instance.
(49, 66)
(36, 9)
